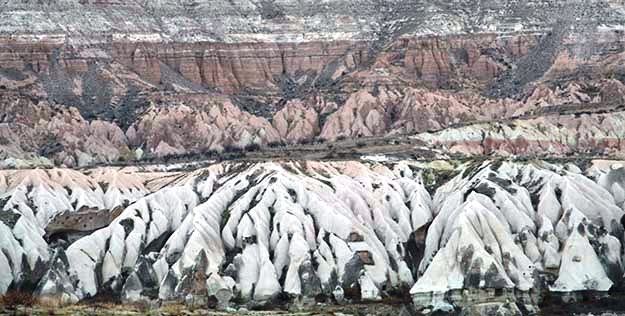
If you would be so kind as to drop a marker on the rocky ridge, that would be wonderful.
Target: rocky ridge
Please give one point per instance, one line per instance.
(285, 96)
(264, 233)
(88, 83)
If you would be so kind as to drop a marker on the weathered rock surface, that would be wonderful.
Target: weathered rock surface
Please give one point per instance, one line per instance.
(517, 226)
(563, 135)
(259, 232)
(98, 82)
(36, 204)
(262, 229)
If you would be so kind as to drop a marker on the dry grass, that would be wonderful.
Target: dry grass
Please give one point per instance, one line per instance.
(14, 299)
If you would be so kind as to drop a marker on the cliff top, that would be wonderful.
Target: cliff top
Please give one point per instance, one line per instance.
(293, 21)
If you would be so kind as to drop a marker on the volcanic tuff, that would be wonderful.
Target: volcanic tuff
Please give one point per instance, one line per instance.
(259, 233)
(309, 126)
(92, 82)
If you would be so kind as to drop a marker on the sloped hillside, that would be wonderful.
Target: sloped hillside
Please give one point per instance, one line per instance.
(86, 83)
(266, 233)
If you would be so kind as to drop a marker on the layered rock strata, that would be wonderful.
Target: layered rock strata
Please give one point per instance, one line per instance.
(85, 83)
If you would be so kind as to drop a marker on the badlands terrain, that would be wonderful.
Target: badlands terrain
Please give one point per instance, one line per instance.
(453, 156)
(85, 83)
(494, 236)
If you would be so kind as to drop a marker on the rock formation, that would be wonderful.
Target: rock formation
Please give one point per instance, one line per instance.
(254, 231)
(264, 151)
(262, 232)
(88, 83)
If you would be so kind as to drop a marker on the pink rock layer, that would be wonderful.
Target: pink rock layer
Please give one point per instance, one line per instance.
(122, 100)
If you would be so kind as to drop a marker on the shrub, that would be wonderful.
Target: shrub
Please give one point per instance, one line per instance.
(320, 140)
(4, 141)
(210, 153)
(276, 144)
(232, 149)
(17, 298)
(252, 147)
(305, 141)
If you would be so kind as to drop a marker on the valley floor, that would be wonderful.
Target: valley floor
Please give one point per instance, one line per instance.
(608, 306)
(173, 310)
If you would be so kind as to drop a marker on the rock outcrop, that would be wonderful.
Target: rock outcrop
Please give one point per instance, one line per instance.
(563, 135)
(244, 92)
(263, 230)
(251, 231)
(38, 206)
(521, 226)
(261, 233)
(88, 83)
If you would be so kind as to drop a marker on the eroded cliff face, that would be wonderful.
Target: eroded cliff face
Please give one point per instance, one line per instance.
(92, 83)
(116, 81)
(268, 233)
